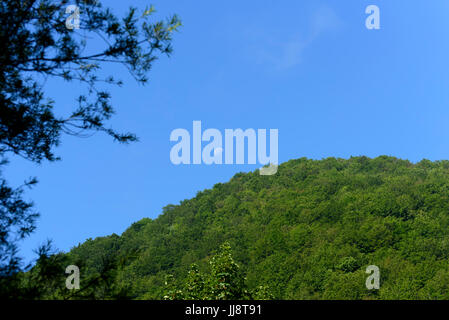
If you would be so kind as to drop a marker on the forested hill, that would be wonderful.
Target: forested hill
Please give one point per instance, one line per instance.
(308, 232)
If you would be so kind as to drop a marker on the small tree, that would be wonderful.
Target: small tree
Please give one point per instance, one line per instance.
(225, 281)
(195, 286)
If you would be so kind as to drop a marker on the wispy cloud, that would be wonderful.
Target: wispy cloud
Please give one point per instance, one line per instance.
(323, 20)
(284, 53)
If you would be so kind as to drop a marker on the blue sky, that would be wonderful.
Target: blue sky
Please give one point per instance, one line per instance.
(310, 69)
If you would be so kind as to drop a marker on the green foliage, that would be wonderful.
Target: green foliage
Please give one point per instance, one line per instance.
(225, 281)
(308, 232)
(348, 264)
(47, 279)
(196, 285)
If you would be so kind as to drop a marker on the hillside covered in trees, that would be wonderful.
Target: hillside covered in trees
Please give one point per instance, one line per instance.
(308, 232)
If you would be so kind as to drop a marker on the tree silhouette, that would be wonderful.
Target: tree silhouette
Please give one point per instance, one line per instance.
(37, 44)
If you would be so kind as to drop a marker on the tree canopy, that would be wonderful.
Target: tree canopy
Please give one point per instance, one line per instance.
(308, 232)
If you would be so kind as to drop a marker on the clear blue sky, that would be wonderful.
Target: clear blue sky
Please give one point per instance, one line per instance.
(308, 68)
